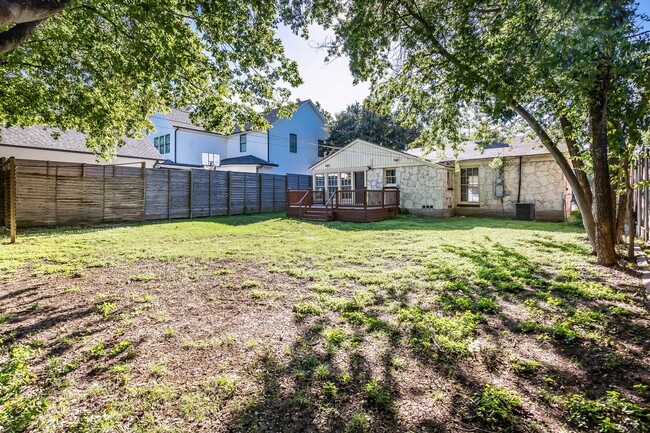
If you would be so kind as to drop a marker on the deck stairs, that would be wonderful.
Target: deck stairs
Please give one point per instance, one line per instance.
(318, 214)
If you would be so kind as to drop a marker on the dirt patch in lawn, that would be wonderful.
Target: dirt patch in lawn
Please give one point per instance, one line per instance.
(489, 341)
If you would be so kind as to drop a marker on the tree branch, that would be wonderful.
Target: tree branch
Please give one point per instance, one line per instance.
(15, 36)
(23, 11)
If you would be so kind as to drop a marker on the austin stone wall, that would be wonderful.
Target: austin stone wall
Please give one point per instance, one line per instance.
(423, 188)
(542, 183)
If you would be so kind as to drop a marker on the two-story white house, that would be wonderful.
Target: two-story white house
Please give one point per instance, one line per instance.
(290, 145)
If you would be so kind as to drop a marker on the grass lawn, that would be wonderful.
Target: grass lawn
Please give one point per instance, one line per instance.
(265, 324)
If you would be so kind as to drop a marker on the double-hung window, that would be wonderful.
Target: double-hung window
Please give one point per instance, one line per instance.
(162, 143)
(321, 148)
(293, 143)
(332, 182)
(469, 185)
(242, 143)
(319, 181)
(390, 177)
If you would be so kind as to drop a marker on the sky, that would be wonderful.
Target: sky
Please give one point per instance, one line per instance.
(330, 84)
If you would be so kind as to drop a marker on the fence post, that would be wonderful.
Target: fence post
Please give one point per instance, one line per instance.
(228, 191)
(3, 211)
(12, 198)
(103, 191)
(143, 175)
(191, 193)
(169, 187)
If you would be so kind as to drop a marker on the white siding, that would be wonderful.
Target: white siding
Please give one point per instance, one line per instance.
(163, 127)
(191, 144)
(361, 155)
(256, 144)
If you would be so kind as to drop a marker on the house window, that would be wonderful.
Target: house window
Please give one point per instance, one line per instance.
(321, 148)
(242, 143)
(155, 142)
(319, 181)
(167, 143)
(162, 143)
(390, 177)
(346, 181)
(293, 143)
(469, 185)
(332, 181)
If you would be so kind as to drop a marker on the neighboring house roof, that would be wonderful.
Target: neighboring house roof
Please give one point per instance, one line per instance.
(39, 137)
(519, 146)
(246, 160)
(181, 118)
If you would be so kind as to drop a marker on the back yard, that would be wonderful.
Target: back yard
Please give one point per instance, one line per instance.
(260, 323)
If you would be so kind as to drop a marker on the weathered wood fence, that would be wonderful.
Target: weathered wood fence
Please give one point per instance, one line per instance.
(641, 178)
(42, 193)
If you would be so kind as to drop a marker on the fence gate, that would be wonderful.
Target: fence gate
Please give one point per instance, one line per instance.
(8, 196)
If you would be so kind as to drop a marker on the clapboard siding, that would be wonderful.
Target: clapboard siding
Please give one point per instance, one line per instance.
(56, 193)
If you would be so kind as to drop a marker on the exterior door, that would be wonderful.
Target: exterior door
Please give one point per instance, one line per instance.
(359, 184)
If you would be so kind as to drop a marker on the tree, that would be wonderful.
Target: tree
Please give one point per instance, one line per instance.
(550, 66)
(356, 121)
(102, 67)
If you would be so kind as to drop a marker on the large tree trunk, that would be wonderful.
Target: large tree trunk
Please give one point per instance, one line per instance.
(603, 208)
(22, 17)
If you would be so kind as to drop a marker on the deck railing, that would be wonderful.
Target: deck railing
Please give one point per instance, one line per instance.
(357, 198)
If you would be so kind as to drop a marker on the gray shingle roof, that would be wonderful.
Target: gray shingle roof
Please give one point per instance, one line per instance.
(246, 159)
(71, 141)
(518, 146)
(181, 119)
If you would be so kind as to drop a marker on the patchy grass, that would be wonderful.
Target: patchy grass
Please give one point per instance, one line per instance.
(262, 323)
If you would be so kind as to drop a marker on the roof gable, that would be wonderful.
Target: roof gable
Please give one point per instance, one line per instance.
(361, 153)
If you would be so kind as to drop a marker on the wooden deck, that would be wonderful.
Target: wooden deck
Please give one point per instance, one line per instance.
(362, 205)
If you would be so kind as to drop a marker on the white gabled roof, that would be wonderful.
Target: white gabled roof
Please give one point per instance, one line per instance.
(361, 153)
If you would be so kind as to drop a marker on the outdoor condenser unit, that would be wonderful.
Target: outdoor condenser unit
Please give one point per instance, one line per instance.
(525, 211)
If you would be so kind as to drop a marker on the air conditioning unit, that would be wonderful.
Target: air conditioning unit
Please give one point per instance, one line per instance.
(525, 211)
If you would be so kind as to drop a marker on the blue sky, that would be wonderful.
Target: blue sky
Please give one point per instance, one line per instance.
(331, 84)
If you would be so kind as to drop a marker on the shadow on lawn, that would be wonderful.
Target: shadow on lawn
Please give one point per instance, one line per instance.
(362, 391)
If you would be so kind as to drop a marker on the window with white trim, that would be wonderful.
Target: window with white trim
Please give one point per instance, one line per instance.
(469, 185)
(319, 182)
(390, 177)
(332, 181)
(242, 143)
(293, 143)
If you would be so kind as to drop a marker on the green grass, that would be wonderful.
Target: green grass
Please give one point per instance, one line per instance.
(267, 323)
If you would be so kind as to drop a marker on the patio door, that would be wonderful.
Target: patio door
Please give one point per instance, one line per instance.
(359, 185)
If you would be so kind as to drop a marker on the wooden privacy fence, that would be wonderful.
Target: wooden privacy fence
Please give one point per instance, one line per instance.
(641, 178)
(42, 193)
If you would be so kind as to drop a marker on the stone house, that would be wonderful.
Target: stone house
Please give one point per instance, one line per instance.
(477, 181)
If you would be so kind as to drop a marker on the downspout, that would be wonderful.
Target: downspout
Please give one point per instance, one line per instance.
(519, 186)
(268, 145)
(175, 145)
